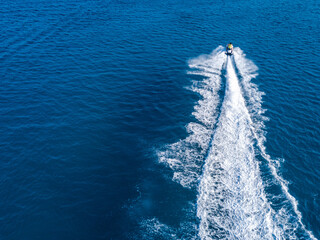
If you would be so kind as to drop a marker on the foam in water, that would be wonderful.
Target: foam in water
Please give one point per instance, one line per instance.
(232, 203)
(247, 70)
(220, 158)
(153, 228)
(186, 157)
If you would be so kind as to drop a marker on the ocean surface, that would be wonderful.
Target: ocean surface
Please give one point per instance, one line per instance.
(124, 119)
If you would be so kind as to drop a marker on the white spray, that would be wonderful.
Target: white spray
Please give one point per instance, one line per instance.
(231, 202)
(219, 158)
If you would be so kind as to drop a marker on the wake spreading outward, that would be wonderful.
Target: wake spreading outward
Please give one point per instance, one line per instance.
(240, 192)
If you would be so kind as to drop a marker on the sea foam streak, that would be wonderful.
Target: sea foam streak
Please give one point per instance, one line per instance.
(240, 193)
(232, 203)
(246, 69)
(186, 157)
(291, 224)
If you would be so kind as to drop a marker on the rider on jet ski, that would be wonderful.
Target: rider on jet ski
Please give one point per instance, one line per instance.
(230, 47)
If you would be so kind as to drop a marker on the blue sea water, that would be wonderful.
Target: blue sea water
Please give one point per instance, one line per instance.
(114, 120)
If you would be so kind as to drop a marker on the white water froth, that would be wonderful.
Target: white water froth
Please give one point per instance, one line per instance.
(153, 228)
(233, 200)
(186, 157)
(247, 70)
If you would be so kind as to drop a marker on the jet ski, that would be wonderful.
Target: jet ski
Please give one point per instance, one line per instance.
(229, 51)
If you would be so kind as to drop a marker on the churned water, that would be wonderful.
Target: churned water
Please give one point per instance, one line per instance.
(126, 120)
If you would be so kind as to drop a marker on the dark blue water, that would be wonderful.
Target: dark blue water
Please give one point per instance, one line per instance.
(91, 91)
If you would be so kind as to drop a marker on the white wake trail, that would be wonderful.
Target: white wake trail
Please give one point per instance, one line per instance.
(186, 157)
(231, 202)
(246, 69)
(241, 195)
